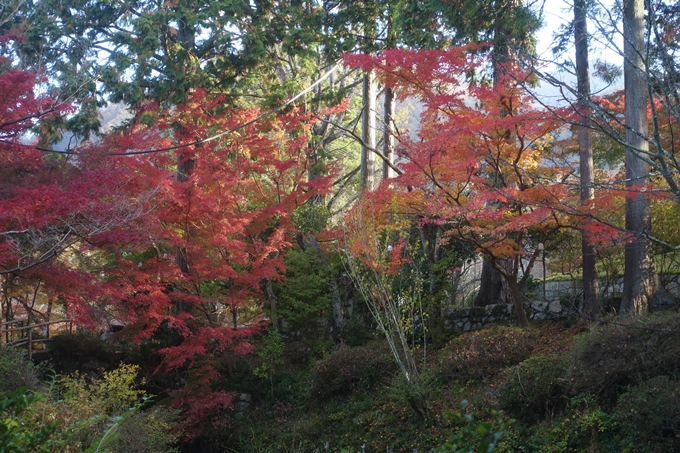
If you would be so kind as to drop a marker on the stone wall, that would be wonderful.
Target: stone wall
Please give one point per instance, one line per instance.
(470, 318)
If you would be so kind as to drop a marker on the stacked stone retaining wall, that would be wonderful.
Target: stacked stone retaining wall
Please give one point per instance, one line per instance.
(470, 318)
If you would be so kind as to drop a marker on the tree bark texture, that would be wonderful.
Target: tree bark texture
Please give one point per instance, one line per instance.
(639, 280)
(516, 291)
(591, 302)
(388, 132)
(368, 132)
(185, 163)
(493, 287)
(504, 44)
(273, 300)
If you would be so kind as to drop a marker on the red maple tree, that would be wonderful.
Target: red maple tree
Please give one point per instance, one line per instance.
(98, 235)
(480, 163)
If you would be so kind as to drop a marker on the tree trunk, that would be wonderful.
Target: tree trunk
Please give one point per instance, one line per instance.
(504, 42)
(591, 303)
(185, 166)
(271, 297)
(516, 291)
(429, 239)
(639, 281)
(493, 287)
(388, 133)
(368, 132)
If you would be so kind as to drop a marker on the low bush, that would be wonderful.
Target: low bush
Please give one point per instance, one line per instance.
(580, 428)
(113, 394)
(358, 332)
(83, 351)
(15, 437)
(647, 416)
(150, 431)
(80, 414)
(536, 387)
(17, 372)
(346, 369)
(614, 356)
(483, 354)
(473, 435)
(292, 385)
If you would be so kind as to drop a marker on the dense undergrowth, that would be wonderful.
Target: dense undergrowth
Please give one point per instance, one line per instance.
(613, 386)
(608, 387)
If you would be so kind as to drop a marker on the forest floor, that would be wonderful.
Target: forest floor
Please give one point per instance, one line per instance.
(563, 386)
(567, 386)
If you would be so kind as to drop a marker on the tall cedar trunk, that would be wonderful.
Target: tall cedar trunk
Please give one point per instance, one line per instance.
(389, 139)
(639, 280)
(368, 132)
(388, 133)
(493, 287)
(502, 52)
(591, 302)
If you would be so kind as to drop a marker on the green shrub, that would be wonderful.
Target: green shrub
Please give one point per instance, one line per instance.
(472, 435)
(346, 369)
(150, 431)
(647, 416)
(305, 297)
(535, 387)
(579, 429)
(358, 332)
(270, 352)
(613, 357)
(292, 385)
(483, 354)
(113, 394)
(17, 372)
(88, 409)
(413, 393)
(586, 423)
(87, 412)
(15, 436)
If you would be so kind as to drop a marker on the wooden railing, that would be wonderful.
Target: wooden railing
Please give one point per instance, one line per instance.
(10, 330)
